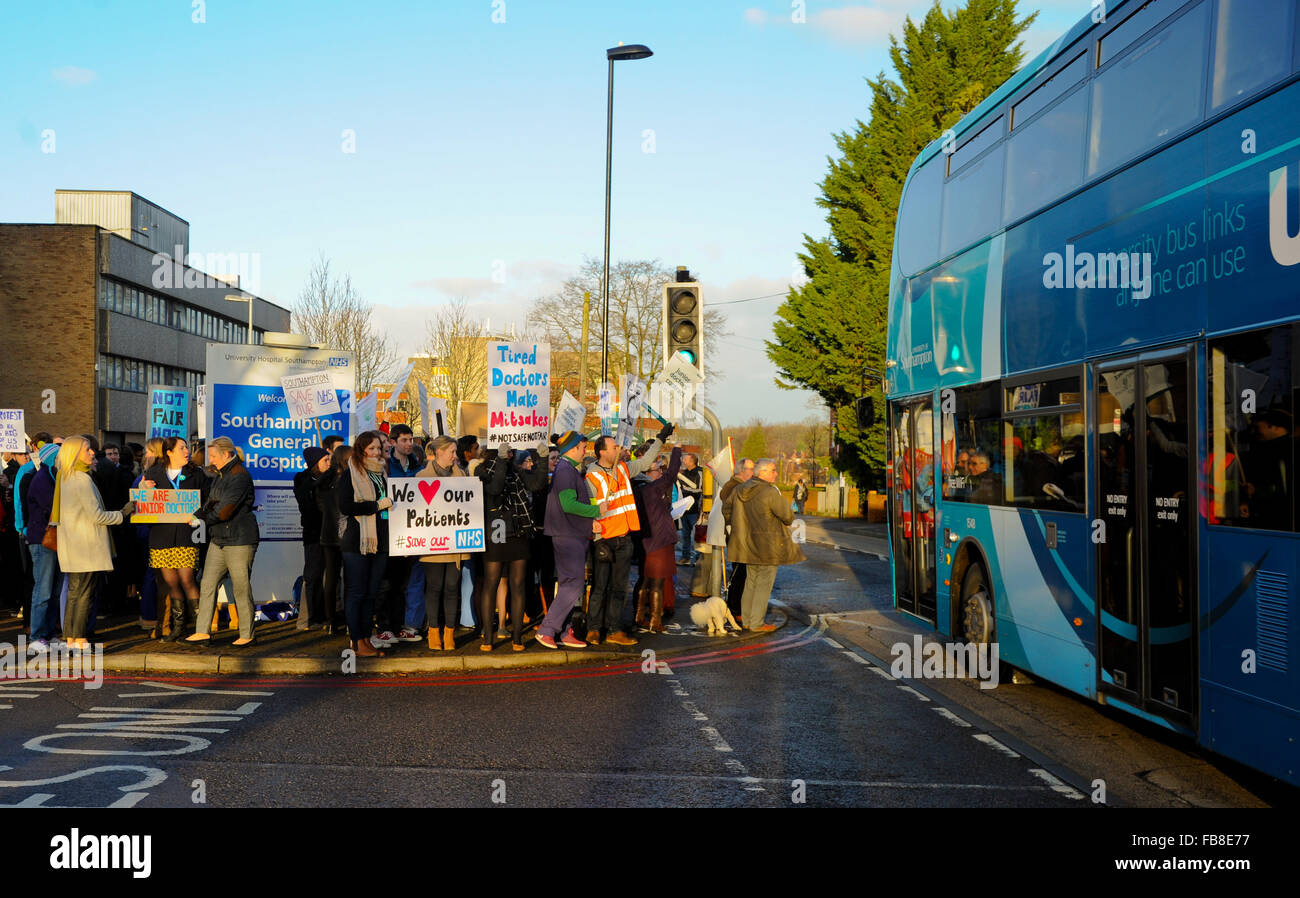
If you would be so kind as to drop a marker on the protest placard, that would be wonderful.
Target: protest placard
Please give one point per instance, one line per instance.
(169, 412)
(201, 410)
(366, 413)
(630, 409)
(424, 408)
(435, 515)
(438, 417)
(400, 386)
(164, 506)
(519, 391)
(570, 415)
(309, 395)
(13, 436)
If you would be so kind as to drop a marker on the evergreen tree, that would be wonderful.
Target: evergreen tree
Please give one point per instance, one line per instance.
(755, 445)
(830, 332)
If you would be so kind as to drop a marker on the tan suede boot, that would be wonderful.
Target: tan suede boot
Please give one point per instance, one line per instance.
(435, 639)
(448, 638)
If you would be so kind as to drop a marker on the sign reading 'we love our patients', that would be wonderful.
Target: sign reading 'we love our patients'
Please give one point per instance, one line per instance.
(435, 516)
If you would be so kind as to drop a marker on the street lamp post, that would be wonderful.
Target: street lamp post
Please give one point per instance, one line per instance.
(630, 51)
(240, 297)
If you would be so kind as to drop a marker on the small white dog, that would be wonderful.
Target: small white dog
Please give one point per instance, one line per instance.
(715, 614)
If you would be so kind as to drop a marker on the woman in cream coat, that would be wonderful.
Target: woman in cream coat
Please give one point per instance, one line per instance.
(85, 547)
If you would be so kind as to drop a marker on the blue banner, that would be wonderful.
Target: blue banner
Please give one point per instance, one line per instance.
(256, 420)
(169, 412)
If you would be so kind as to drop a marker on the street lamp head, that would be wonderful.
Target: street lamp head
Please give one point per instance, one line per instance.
(628, 51)
(238, 297)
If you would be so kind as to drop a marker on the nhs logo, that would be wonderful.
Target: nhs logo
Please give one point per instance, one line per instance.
(338, 361)
(469, 539)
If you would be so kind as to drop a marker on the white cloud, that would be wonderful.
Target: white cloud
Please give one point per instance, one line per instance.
(755, 16)
(73, 75)
(861, 24)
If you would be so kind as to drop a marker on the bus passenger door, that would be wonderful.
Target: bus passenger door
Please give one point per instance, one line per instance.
(1144, 446)
(911, 499)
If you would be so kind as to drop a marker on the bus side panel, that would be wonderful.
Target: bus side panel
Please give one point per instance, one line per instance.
(1248, 284)
(1042, 592)
(1249, 630)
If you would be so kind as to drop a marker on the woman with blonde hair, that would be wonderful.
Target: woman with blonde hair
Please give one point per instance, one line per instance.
(85, 547)
(442, 572)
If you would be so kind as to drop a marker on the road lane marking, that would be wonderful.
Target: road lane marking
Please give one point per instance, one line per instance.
(856, 657)
(995, 744)
(831, 642)
(1056, 785)
(914, 692)
(945, 713)
(880, 671)
(714, 738)
(731, 764)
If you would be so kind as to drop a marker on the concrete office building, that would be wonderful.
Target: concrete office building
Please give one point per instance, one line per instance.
(100, 305)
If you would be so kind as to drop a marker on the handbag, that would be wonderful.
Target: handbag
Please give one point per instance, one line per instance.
(51, 538)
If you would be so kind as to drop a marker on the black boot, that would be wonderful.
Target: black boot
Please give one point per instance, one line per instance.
(178, 621)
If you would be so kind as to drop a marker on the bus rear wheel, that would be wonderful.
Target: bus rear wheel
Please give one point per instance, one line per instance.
(978, 625)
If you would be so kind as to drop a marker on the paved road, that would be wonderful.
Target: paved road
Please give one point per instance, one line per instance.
(801, 718)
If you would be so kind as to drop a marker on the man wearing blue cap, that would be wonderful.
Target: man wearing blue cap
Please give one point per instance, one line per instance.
(570, 523)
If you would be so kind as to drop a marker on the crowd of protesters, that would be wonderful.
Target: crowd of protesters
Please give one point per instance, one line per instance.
(564, 524)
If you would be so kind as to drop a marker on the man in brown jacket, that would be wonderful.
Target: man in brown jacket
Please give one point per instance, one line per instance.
(760, 539)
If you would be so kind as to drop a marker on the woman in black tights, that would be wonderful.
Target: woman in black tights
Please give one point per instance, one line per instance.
(327, 502)
(508, 488)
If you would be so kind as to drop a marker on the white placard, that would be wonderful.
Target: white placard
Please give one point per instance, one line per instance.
(13, 437)
(424, 407)
(437, 417)
(570, 415)
(435, 515)
(630, 409)
(309, 395)
(519, 391)
(400, 386)
(681, 372)
(366, 416)
(201, 409)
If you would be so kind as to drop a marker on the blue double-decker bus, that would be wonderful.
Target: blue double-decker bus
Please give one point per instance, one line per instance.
(1093, 372)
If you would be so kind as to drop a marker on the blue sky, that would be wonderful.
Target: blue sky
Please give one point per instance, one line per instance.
(479, 145)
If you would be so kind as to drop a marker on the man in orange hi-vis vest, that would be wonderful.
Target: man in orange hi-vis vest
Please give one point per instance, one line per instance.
(610, 480)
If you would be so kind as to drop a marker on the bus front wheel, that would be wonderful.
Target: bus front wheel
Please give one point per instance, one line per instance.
(978, 625)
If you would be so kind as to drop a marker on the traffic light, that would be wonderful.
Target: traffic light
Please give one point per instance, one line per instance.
(684, 321)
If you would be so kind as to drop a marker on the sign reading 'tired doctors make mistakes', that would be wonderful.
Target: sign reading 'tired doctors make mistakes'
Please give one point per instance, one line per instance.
(518, 393)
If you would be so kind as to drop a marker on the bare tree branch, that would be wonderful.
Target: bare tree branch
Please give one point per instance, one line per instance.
(330, 312)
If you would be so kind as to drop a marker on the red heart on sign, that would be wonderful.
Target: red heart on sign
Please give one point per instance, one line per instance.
(429, 490)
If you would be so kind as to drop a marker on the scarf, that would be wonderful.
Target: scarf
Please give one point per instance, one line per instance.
(78, 465)
(368, 487)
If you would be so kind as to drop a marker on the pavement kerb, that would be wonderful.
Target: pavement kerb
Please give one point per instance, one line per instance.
(236, 663)
(837, 546)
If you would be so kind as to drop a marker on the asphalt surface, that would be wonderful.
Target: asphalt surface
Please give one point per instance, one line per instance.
(799, 718)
